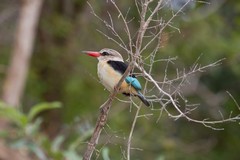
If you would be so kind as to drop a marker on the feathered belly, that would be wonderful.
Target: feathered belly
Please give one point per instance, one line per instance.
(109, 78)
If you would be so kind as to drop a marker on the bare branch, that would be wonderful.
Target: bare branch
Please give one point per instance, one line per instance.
(164, 26)
(111, 28)
(236, 103)
(102, 119)
(170, 92)
(126, 26)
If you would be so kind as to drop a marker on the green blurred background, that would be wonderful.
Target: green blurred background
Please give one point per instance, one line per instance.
(59, 72)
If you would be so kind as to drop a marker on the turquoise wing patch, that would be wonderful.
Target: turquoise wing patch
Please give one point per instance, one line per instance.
(133, 82)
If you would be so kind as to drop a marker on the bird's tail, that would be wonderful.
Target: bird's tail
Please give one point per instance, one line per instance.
(143, 99)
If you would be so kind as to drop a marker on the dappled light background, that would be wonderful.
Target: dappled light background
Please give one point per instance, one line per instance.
(205, 32)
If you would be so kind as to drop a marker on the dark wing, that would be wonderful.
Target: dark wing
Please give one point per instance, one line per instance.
(119, 66)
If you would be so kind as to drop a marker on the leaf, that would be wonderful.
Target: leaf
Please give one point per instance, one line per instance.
(105, 153)
(56, 144)
(13, 114)
(20, 143)
(33, 128)
(42, 107)
(80, 139)
(37, 150)
(72, 155)
(4, 134)
(24, 143)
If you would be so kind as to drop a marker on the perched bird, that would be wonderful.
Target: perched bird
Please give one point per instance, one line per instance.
(111, 67)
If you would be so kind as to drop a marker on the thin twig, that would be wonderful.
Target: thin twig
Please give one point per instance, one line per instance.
(102, 118)
(165, 98)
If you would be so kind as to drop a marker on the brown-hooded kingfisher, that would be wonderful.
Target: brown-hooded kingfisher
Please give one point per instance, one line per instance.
(111, 67)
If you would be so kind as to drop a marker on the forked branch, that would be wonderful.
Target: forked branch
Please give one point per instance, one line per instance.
(134, 49)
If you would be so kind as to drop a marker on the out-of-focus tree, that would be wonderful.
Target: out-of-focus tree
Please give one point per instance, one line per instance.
(16, 74)
(59, 72)
(14, 83)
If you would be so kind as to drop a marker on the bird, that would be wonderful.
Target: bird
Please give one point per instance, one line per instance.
(111, 67)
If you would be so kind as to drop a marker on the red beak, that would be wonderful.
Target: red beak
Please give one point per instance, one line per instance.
(92, 53)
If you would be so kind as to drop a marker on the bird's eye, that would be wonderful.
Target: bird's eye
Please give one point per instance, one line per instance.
(105, 53)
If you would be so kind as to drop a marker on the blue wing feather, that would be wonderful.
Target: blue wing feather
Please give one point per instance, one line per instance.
(121, 68)
(133, 82)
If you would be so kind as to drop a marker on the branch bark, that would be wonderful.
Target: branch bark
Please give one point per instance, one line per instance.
(145, 27)
(102, 118)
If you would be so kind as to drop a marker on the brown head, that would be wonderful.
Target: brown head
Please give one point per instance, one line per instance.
(105, 54)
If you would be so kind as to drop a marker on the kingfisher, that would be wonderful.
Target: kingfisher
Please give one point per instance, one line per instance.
(111, 67)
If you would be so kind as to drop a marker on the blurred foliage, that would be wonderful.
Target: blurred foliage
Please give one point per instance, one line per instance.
(59, 72)
(25, 133)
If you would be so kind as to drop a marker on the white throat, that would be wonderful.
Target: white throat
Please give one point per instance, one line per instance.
(109, 58)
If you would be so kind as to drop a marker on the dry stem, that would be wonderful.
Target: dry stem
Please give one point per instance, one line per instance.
(102, 118)
(166, 98)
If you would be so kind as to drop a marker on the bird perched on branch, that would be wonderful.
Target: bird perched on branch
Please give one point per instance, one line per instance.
(111, 67)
